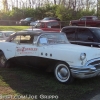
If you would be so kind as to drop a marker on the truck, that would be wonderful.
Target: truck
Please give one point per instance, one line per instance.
(92, 21)
(47, 25)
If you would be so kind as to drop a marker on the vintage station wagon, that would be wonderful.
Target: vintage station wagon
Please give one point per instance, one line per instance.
(52, 51)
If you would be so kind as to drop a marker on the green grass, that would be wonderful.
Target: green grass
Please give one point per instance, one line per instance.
(22, 80)
(13, 28)
(29, 81)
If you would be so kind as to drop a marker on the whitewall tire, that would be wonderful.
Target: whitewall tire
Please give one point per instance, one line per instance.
(62, 73)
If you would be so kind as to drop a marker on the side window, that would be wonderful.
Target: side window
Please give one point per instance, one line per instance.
(26, 39)
(16, 39)
(89, 18)
(83, 18)
(84, 35)
(70, 33)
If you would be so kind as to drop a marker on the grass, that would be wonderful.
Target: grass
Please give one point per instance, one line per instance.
(13, 28)
(24, 83)
(30, 81)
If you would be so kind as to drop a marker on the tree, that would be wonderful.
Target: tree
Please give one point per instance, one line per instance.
(5, 5)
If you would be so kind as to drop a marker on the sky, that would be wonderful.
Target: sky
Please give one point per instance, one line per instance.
(10, 4)
(15, 4)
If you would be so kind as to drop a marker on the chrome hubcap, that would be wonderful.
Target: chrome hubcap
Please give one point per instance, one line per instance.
(63, 73)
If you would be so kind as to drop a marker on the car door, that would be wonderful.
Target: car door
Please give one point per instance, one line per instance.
(26, 51)
(90, 21)
(45, 50)
(85, 37)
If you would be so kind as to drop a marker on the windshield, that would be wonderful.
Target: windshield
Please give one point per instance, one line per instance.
(46, 18)
(96, 31)
(50, 39)
(27, 19)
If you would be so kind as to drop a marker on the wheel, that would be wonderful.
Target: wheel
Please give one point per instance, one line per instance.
(2, 60)
(62, 73)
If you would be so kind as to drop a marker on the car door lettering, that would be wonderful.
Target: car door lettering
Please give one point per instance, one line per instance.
(25, 50)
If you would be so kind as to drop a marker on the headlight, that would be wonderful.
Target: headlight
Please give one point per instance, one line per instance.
(82, 56)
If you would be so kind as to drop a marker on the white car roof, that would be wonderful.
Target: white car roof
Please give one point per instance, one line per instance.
(34, 29)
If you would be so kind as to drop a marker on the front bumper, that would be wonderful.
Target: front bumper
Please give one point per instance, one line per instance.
(91, 69)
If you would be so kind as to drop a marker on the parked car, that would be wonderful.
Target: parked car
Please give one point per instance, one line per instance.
(51, 18)
(48, 25)
(5, 34)
(26, 21)
(87, 36)
(86, 21)
(34, 23)
(52, 51)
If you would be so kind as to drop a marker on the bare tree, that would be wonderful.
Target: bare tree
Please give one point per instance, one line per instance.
(5, 5)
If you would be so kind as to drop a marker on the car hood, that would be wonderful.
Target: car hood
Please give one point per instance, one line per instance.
(91, 52)
(72, 47)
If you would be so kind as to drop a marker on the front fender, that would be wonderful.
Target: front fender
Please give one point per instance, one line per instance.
(8, 49)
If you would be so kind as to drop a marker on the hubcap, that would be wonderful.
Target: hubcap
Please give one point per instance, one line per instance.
(62, 73)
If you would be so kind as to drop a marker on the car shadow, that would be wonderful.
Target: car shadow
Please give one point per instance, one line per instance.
(33, 81)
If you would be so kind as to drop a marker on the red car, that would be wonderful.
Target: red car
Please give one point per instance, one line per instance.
(48, 25)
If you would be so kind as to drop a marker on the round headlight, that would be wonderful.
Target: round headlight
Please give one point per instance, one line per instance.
(83, 56)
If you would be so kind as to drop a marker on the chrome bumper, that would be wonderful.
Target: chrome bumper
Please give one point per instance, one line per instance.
(91, 69)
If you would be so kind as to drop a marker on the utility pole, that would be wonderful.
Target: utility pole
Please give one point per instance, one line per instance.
(98, 8)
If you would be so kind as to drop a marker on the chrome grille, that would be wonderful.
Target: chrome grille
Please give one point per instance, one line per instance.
(95, 62)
